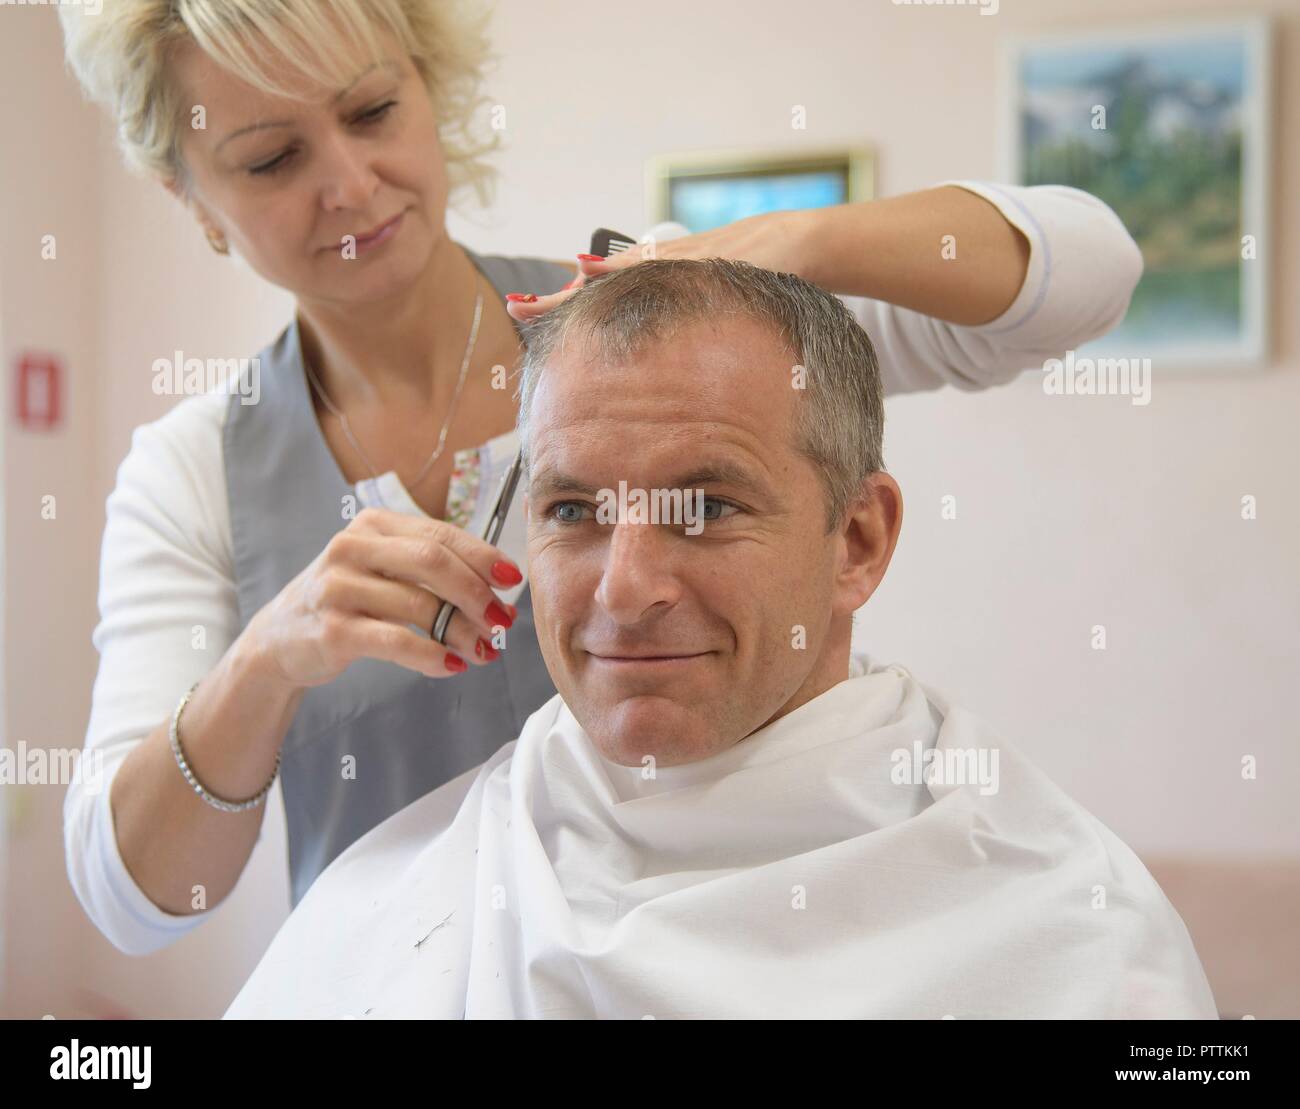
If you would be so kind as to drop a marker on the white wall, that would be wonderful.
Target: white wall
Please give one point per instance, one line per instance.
(50, 566)
(1072, 512)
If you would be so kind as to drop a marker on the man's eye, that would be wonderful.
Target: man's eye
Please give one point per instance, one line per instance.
(574, 512)
(720, 505)
(567, 512)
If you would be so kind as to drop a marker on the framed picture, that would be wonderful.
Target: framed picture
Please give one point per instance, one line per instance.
(708, 189)
(1169, 126)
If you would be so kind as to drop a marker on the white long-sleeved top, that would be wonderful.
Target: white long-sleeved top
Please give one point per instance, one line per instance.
(167, 564)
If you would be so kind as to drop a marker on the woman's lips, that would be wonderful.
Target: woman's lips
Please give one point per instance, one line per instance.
(378, 236)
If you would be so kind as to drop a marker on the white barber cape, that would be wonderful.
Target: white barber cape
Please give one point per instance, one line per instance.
(807, 871)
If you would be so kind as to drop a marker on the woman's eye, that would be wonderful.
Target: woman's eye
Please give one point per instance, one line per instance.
(376, 113)
(278, 162)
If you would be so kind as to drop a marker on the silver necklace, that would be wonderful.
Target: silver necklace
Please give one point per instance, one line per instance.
(451, 410)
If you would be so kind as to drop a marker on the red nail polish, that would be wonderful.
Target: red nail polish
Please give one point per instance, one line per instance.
(478, 647)
(525, 298)
(488, 651)
(455, 663)
(498, 615)
(514, 612)
(506, 574)
(591, 258)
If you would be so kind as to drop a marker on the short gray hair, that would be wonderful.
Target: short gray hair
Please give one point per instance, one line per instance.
(839, 424)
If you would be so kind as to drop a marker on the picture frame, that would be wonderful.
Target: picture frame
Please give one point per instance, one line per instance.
(706, 189)
(1183, 155)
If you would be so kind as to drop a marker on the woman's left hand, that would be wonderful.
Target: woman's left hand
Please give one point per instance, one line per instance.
(772, 240)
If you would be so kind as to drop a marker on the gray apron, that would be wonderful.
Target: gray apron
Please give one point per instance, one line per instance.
(379, 736)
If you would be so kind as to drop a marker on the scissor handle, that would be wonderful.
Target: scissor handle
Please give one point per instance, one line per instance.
(491, 533)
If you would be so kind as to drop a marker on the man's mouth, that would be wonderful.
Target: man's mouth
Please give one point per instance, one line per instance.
(661, 659)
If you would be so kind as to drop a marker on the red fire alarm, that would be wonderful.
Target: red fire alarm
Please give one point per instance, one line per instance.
(37, 390)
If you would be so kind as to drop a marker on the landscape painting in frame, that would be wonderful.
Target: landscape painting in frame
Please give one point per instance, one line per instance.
(1169, 127)
(706, 189)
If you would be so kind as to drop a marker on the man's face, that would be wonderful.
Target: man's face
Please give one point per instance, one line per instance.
(665, 643)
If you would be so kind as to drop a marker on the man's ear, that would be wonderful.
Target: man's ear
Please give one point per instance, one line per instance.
(866, 538)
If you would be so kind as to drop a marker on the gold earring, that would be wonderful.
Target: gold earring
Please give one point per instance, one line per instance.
(216, 240)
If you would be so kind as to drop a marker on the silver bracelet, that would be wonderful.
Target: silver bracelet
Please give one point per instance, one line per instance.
(214, 801)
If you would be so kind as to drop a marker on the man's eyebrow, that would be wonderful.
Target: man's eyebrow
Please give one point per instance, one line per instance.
(267, 124)
(549, 481)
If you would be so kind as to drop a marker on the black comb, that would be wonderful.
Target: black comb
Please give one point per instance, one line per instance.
(605, 242)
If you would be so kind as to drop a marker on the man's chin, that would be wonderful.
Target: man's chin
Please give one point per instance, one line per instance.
(634, 728)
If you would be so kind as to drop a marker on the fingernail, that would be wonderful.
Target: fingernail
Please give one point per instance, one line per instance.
(506, 574)
(522, 298)
(455, 663)
(487, 651)
(498, 615)
(570, 285)
(514, 612)
(591, 257)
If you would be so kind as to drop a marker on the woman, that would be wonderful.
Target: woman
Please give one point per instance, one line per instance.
(270, 571)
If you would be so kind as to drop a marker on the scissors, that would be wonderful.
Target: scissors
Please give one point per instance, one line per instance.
(491, 533)
(604, 242)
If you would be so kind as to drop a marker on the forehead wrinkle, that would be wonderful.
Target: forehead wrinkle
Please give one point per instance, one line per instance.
(665, 411)
(708, 365)
(672, 444)
(579, 397)
(741, 467)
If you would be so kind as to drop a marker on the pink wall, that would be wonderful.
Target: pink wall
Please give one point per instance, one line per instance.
(1074, 514)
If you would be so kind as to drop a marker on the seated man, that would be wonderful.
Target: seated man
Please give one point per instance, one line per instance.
(724, 813)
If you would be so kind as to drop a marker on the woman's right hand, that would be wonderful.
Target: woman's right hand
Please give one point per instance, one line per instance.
(386, 570)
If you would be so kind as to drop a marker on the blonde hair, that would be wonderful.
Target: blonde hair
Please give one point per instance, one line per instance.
(120, 55)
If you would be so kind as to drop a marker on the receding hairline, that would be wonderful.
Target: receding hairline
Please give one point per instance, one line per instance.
(707, 313)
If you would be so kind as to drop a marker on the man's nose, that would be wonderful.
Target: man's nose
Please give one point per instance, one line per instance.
(638, 572)
(347, 179)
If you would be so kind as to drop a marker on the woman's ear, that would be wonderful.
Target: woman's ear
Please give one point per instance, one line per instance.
(215, 236)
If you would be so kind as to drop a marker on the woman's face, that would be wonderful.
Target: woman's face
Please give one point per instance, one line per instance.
(338, 199)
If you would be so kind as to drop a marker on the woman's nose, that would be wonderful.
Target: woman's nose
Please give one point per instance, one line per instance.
(348, 179)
